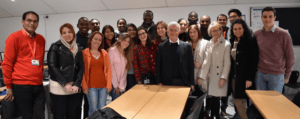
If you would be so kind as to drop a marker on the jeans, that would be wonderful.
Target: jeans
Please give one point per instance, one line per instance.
(66, 106)
(30, 100)
(96, 98)
(113, 94)
(269, 81)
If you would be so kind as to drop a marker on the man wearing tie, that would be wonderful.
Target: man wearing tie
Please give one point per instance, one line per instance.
(174, 61)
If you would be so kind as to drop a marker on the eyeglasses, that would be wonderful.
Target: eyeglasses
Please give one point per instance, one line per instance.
(232, 17)
(214, 31)
(131, 30)
(142, 34)
(33, 21)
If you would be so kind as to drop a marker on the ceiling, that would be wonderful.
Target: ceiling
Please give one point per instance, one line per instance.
(15, 8)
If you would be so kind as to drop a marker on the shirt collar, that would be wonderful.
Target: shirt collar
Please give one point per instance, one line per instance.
(272, 29)
(174, 42)
(27, 34)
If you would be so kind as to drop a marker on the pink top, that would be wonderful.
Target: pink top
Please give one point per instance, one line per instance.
(118, 71)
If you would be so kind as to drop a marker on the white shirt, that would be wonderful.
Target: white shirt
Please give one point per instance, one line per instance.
(174, 42)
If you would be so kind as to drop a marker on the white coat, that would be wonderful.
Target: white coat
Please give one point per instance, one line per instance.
(216, 66)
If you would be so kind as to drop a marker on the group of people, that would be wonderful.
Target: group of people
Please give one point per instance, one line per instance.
(207, 56)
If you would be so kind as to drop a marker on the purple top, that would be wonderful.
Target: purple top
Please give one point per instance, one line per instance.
(276, 53)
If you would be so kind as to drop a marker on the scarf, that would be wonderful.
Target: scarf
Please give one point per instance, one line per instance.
(70, 46)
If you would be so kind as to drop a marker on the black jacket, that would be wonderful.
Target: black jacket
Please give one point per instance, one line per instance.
(63, 68)
(245, 66)
(164, 73)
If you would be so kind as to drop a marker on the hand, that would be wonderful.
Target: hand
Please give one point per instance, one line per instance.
(118, 90)
(197, 65)
(222, 81)
(286, 81)
(74, 89)
(248, 84)
(9, 95)
(68, 87)
(108, 90)
(193, 87)
(160, 84)
(199, 81)
(86, 91)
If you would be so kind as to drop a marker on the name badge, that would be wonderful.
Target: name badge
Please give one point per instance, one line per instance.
(35, 62)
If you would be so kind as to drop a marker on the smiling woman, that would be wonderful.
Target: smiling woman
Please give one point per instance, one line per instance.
(65, 68)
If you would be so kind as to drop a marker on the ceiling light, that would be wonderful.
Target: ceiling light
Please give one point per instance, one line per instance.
(13, 0)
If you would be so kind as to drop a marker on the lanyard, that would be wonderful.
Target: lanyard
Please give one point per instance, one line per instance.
(34, 48)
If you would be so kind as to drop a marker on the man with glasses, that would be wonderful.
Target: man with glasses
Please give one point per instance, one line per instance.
(174, 60)
(23, 68)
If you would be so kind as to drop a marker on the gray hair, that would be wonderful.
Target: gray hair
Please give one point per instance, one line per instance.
(212, 25)
(173, 23)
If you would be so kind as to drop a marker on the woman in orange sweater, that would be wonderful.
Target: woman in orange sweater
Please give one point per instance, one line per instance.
(97, 73)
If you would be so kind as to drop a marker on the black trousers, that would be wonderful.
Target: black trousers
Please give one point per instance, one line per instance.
(224, 105)
(130, 81)
(66, 106)
(30, 100)
(215, 107)
(85, 107)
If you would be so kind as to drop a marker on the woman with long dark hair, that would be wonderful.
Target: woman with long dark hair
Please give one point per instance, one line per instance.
(244, 58)
(109, 36)
(144, 68)
(132, 31)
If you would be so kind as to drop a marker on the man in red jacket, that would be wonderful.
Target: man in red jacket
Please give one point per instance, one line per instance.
(23, 68)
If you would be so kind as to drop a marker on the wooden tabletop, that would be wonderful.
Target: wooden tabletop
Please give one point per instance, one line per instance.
(131, 102)
(168, 103)
(274, 105)
(151, 102)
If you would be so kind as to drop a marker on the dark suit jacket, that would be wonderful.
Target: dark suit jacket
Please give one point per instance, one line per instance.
(164, 72)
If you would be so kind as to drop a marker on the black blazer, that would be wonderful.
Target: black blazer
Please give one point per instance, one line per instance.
(63, 68)
(245, 66)
(164, 63)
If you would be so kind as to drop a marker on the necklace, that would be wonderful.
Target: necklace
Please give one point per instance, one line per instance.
(96, 57)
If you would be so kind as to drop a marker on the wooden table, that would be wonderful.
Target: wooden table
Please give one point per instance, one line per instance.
(273, 105)
(151, 101)
(167, 103)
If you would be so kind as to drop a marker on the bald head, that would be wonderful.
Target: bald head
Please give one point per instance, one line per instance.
(204, 21)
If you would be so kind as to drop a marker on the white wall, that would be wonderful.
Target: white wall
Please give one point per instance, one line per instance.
(49, 28)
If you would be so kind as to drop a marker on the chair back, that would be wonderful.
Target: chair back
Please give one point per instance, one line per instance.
(196, 108)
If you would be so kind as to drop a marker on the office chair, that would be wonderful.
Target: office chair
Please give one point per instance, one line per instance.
(196, 108)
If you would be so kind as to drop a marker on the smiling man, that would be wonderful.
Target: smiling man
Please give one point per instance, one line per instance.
(174, 60)
(23, 68)
(82, 35)
(148, 23)
(222, 20)
(276, 54)
(204, 23)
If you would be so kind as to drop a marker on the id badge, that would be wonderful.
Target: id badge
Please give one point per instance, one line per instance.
(35, 62)
(146, 81)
